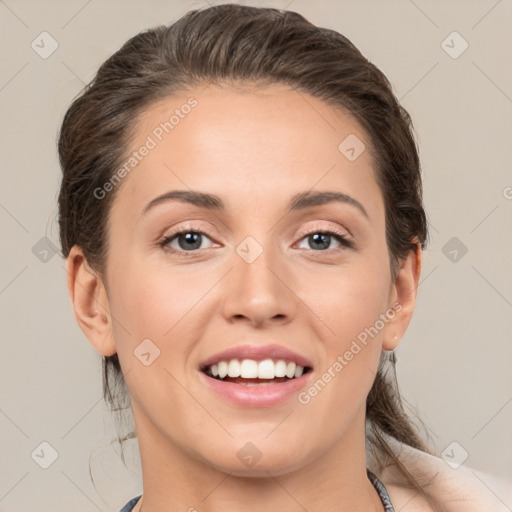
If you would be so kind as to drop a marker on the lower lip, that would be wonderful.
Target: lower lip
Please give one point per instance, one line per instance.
(260, 395)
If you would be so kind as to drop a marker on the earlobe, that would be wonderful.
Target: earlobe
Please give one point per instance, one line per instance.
(403, 296)
(90, 302)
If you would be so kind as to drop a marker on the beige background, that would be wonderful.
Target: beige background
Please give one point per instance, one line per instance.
(455, 361)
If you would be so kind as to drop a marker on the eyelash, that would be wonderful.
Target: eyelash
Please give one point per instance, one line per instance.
(342, 238)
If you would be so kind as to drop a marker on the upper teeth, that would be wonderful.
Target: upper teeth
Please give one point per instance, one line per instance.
(250, 369)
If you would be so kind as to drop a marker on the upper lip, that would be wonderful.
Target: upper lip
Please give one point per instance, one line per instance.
(257, 353)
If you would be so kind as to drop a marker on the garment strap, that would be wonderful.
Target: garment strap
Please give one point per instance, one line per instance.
(381, 491)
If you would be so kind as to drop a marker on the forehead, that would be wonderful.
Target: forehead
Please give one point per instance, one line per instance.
(249, 143)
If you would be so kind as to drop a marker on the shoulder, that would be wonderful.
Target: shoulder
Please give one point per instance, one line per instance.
(446, 489)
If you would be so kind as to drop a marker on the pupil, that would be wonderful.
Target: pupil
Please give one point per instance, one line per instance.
(191, 238)
(322, 239)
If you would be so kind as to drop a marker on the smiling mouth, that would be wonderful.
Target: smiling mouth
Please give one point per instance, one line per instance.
(244, 381)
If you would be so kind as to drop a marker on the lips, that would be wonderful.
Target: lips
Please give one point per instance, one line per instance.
(256, 392)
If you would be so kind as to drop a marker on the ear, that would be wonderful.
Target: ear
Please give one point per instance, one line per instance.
(90, 302)
(403, 298)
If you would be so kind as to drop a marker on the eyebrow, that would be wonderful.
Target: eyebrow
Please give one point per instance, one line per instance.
(299, 201)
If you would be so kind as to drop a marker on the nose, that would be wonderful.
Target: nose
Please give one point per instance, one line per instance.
(259, 292)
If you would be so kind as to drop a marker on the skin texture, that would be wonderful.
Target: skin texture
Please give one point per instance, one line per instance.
(255, 148)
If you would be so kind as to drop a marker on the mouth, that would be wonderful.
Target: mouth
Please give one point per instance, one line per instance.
(252, 375)
(249, 372)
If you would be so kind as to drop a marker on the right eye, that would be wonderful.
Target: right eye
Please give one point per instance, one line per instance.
(189, 241)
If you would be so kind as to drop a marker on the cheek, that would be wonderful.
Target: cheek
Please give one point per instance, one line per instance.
(363, 301)
(154, 301)
(171, 306)
(352, 309)
(352, 299)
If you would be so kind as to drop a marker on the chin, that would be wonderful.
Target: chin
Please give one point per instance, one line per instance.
(249, 461)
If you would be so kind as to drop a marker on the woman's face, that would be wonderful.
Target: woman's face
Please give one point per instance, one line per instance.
(250, 273)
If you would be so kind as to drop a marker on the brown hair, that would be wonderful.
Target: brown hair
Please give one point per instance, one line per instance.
(234, 44)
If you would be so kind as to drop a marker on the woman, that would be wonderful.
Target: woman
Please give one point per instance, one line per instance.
(241, 213)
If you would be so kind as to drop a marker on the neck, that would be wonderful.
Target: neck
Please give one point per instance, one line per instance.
(334, 479)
